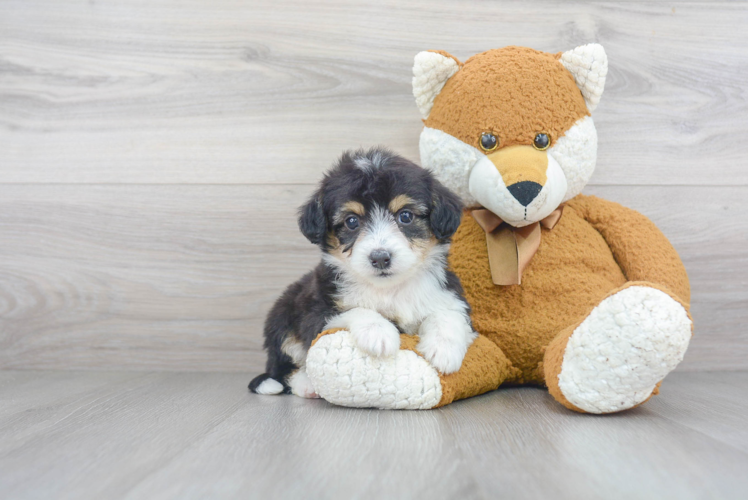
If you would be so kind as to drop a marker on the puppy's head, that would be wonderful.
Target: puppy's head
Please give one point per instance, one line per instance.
(380, 217)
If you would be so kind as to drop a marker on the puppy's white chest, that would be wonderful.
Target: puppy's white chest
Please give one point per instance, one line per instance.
(407, 306)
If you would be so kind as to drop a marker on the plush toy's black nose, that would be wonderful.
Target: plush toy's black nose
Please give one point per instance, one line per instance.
(525, 191)
(380, 259)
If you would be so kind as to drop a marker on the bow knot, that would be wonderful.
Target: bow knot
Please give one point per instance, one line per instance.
(510, 249)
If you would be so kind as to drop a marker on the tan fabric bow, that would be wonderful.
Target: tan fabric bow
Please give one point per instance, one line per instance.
(510, 249)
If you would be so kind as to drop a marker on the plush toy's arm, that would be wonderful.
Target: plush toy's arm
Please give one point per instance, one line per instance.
(641, 250)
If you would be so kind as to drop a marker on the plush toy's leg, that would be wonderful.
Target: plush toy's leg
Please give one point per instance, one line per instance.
(345, 375)
(615, 358)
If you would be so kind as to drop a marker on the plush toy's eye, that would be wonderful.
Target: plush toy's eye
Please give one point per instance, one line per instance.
(541, 142)
(489, 142)
(405, 217)
(351, 222)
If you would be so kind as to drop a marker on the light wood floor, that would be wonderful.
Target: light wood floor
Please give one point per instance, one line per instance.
(202, 435)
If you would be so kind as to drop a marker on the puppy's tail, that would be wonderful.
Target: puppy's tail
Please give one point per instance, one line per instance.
(264, 384)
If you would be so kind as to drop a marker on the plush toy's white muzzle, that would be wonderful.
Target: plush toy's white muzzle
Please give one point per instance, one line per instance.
(516, 200)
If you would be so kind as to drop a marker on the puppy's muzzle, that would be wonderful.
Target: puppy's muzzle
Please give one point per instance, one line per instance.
(380, 258)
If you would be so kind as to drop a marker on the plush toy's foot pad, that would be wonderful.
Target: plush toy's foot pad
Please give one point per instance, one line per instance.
(345, 375)
(616, 357)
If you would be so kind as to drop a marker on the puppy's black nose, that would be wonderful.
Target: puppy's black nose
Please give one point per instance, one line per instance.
(380, 259)
(525, 191)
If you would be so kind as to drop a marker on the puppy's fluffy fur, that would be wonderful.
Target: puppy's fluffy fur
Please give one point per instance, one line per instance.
(384, 226)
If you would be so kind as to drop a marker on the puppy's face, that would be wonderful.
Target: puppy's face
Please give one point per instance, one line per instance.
(381, 242)
(381, 218)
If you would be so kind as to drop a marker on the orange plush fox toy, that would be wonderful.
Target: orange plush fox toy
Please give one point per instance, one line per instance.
(572, 292)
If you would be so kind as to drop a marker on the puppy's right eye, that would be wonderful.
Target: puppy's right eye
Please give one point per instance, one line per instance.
(405, 217)
(351, 222)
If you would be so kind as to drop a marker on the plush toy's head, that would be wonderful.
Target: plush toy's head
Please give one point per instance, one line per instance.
(510, 129)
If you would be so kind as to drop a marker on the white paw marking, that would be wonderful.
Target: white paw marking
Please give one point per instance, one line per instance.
(301, 385)
(269, 386)
(372, 331)
(444, 355)
(345, 375)
(378, 339)
(445, 338)
(629, 342)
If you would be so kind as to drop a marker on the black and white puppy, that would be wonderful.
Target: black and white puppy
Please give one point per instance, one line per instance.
(384, 226)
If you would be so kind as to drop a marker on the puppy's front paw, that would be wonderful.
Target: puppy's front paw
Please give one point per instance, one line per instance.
(444, 341)
(446, 356)
(379, 338)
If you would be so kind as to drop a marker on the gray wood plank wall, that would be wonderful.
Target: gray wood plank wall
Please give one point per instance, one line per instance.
(153, 153)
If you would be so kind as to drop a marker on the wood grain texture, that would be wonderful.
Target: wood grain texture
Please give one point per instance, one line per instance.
(181, 277)
(176, 277)
(270, 91)
(152, 156)
(188, 435)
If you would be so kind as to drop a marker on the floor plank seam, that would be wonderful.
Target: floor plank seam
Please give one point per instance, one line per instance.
(181, 450)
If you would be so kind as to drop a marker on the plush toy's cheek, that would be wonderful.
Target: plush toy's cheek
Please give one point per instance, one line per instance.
(487, 186)
(576, 153)
(450, 160)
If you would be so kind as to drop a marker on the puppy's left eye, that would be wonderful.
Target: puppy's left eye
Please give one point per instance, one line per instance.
(351, 222)
(405, 217)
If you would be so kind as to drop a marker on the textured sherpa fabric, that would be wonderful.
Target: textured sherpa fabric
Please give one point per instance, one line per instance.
(589, 65)
(431, 70)
(345, 375)
(609, 362)
(530, 88)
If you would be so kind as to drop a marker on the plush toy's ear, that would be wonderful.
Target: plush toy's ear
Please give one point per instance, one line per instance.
(312, 222)
(589, 65)
(431, 70)
(446, 212)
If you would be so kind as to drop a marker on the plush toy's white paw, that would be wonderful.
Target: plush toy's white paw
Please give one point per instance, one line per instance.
(629, 342)
(445, 338)
(345, 375)
(301, 385)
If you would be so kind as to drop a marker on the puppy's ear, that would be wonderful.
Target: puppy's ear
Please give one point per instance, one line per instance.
(312, 222)
(446, 212)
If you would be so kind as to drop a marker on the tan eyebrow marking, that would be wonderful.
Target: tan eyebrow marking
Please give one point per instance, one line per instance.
(355, 207)
(399, 202)
(349, 207)
(402, 200)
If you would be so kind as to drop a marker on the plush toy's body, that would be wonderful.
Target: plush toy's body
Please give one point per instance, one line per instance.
(593, 304)
(574, 270)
